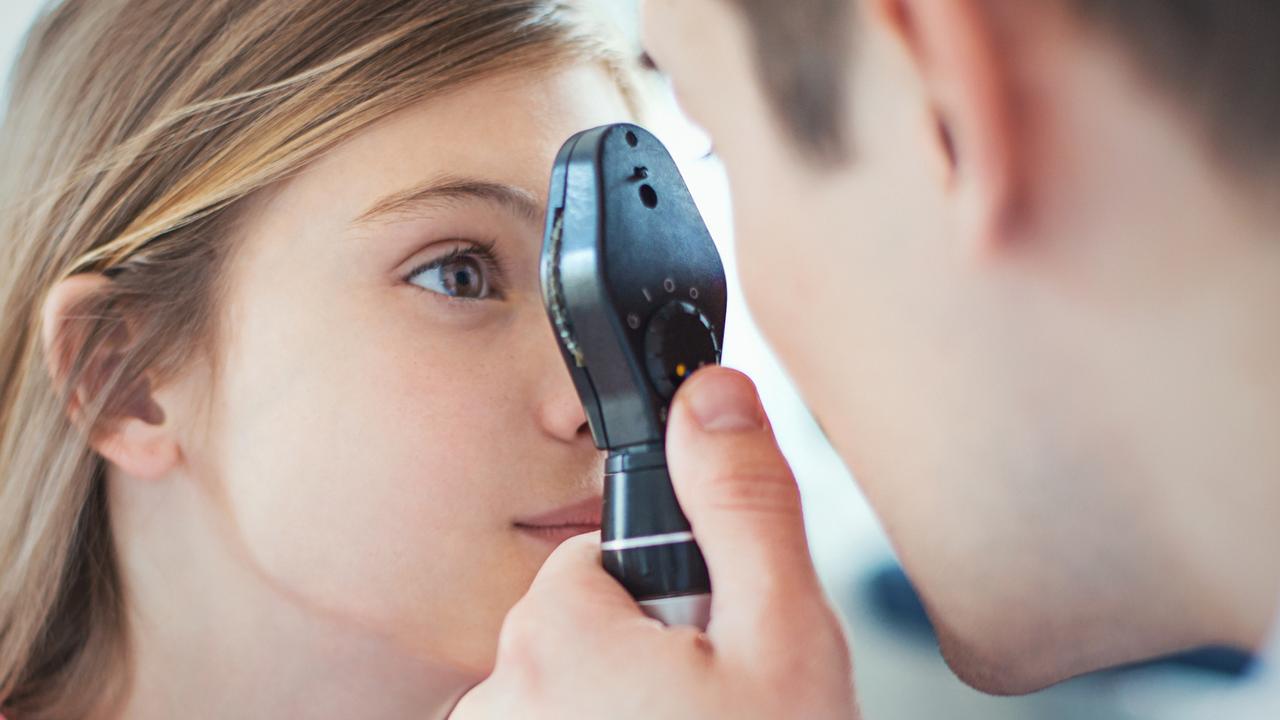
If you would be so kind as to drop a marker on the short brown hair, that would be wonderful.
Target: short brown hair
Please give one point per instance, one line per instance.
(1220, 58)
(802, 52)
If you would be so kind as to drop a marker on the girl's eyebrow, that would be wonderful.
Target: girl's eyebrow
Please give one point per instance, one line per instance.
(433, 193)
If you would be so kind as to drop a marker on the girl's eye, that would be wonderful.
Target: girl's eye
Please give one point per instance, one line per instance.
(457, 275)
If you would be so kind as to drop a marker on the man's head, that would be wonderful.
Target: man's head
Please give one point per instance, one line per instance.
(1018, 258)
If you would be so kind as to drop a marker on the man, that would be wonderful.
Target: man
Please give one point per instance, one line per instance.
(1021, 259)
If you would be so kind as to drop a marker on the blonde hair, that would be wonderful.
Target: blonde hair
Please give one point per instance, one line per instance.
(136, 128)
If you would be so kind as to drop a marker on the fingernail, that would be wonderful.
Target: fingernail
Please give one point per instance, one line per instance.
(725, 402)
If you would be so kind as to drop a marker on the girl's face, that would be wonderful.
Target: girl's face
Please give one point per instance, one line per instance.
(393, 433)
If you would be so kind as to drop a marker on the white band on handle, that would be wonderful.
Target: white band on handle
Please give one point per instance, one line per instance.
(647, 541)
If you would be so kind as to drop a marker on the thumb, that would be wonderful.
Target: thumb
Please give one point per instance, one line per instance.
(742, 501)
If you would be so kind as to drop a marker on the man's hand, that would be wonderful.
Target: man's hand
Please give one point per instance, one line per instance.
(578, 646)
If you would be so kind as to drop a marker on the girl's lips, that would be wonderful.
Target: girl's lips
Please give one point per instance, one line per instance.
(564, 522)
(584, 512)
(556, 534)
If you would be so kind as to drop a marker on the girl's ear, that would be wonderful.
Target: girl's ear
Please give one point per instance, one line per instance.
(135, 437)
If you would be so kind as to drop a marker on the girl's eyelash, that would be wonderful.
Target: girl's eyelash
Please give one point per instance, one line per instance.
(482, 250)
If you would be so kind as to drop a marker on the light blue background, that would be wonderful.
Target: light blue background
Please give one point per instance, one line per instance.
(15, 16)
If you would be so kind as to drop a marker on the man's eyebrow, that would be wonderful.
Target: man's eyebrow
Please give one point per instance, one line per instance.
(443, 190)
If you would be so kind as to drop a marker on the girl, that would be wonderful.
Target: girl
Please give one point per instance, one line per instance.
(284, 430)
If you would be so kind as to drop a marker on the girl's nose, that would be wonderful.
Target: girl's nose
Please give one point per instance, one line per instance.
(560, 409)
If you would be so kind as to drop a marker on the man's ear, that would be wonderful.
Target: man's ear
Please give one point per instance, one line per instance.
(134, 435)
(955, 47)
